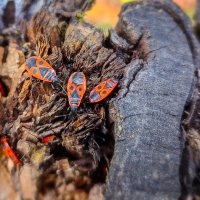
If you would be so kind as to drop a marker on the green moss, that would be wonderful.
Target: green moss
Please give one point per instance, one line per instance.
(127, 1)
(105, 27)
(191, 13)
(38, 155)
(80, 16)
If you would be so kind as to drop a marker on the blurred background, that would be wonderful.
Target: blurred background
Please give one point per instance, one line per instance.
(105, 12)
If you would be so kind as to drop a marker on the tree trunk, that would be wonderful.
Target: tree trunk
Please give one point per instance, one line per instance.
(135, 137)
(156, 89)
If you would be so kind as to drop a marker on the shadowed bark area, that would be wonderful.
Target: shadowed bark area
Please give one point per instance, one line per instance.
(155, 90)
(190, 179)
(197, 18)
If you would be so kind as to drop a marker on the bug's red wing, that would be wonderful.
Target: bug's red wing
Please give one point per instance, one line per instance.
(8, 152)
(48, 138)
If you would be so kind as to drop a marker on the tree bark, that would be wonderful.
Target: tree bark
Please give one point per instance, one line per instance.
(156, 89)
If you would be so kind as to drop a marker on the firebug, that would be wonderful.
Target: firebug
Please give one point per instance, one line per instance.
(40, 69)
(76, 88)
(7, 150)
(102, 90)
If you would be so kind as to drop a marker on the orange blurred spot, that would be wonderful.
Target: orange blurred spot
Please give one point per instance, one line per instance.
(186, 5)
(48, 138)
(104, 11)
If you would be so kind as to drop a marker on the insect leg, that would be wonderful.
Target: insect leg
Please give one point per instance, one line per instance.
(62, 88)
(52, 86)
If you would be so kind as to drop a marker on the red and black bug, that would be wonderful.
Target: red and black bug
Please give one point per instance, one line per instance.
(48, 138)
(102, 90)
(8, 152)
(40, 69)
(76, 88)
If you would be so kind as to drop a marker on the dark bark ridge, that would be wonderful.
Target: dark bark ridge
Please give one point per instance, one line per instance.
(149, 140)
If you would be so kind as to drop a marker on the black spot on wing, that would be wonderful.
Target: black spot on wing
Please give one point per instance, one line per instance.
(75, 94)
(31, 62)
(95, 96)
(49, 75)
(43, 71)
(78, 79)
(108, 85)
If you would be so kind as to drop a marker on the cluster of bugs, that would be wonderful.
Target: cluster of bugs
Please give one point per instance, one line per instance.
(75, 89)
(76, 86)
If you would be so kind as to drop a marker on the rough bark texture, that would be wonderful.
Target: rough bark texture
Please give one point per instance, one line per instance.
(156, 87)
